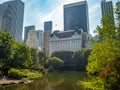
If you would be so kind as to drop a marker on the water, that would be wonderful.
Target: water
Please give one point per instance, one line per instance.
(53, 81)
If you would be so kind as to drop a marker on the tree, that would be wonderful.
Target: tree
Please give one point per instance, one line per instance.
(6, 50)
(34, 55)
(81, 58)
(56, 63)
(22, 57)
(42, 56)
(66, 56)
(103, 66)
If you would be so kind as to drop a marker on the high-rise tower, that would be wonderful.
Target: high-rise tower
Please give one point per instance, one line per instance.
(27, 29)
(11, 18)
(76, 16)
(107, 9)
(47, 33)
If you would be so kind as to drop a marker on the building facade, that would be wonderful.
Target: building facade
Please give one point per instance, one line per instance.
(76, 16)
(32, 40)
(47, 33)
(40, 37)
(11, 18)
(107, 9)
(70, 40)
(26, 31)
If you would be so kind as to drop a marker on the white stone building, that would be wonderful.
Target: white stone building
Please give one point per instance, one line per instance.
(70, 40)
(32, 40)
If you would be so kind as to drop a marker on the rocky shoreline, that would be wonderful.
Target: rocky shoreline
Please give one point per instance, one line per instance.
(4, 82)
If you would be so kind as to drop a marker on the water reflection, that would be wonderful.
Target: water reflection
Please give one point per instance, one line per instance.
(54, 81)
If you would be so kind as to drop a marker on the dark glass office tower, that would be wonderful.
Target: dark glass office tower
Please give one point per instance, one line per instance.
(107, 9)
(76, 16)
(47, 25)
(27, 29)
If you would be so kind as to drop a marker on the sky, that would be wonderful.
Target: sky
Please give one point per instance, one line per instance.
(38, 11)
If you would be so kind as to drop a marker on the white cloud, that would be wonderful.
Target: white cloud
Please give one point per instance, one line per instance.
(94, 8)
(57, 15)
(33, 15)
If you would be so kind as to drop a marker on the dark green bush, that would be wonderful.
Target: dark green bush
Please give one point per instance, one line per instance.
(16, 74)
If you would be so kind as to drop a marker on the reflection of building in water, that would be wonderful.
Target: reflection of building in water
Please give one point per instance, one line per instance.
(11, 18)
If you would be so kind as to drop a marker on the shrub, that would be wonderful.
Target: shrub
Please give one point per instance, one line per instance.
(36, 75)
(16, 74)
(38, 68)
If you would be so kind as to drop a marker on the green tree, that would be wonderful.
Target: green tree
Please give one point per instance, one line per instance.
(6, 50)
(81, 59)
(103, 66)
(56, 63)
(34, 55)
(22, 57)
(42, 56)
(66, 56)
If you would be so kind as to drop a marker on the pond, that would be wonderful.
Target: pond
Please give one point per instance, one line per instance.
(53, 81)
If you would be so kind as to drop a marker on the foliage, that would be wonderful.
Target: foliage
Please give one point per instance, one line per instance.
(56, 63)
(73, 60)
(42, 56)
(104, 62)
(81, 58)
(16, 74)
(6, 50)
(39, 69)
(36, 75)
(34, 55)
(22, 57)
(66, 56)
(16, 58)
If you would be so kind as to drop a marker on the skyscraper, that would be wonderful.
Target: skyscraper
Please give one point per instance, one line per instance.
(76, 16)
(27, 29)
(11, 18)
(47, 33)
(40, 37)
(48, 26)
(107, 9)
(32, 40)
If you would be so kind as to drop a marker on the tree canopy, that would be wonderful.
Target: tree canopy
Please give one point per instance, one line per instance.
(103, 63)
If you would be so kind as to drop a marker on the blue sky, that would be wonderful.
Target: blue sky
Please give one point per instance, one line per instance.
(39, 11)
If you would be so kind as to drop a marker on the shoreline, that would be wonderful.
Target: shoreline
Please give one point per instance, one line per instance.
(5, 82)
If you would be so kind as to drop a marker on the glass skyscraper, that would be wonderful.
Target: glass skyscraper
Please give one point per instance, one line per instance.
(76, 16)
(27, 29)
(11, 18)
(47, 25)
(107, 9)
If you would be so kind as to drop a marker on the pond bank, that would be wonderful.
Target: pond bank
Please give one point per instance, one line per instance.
(4, 82)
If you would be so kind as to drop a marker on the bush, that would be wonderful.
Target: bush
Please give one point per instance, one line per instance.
(39, 68)
(55, 63)
(16, 74)
(36, 75)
